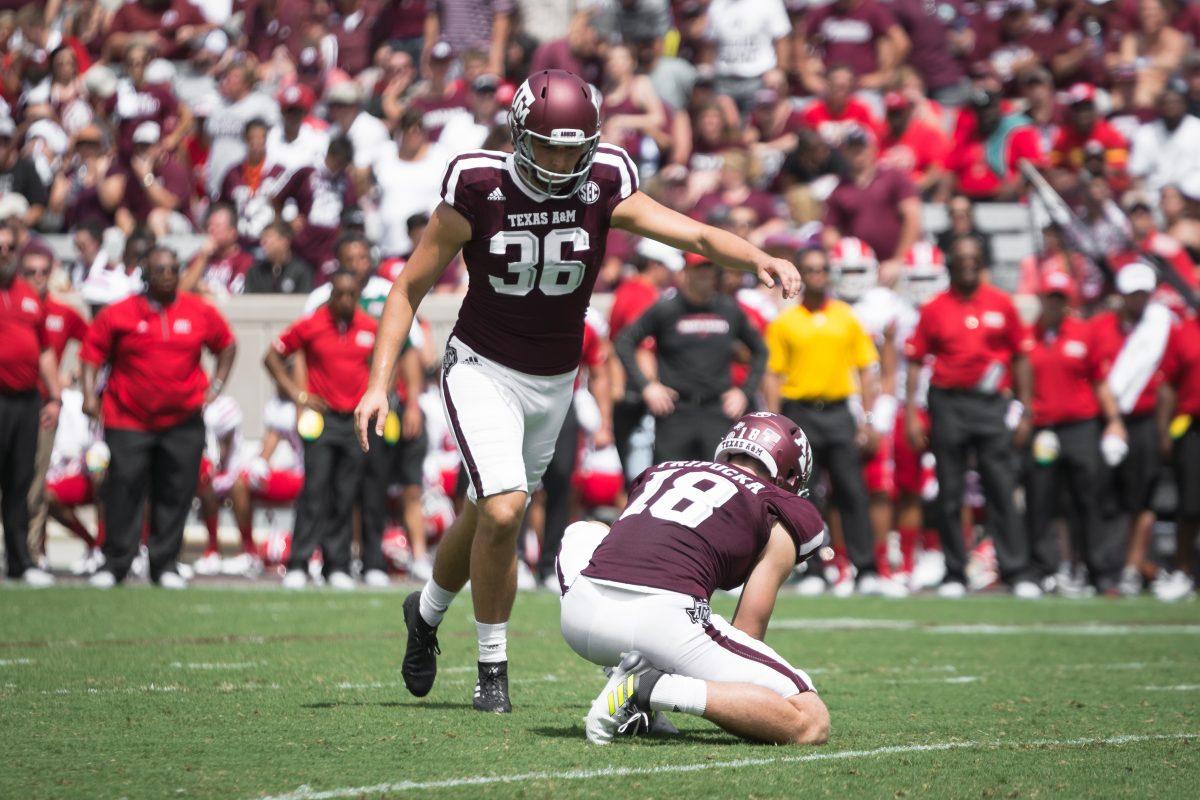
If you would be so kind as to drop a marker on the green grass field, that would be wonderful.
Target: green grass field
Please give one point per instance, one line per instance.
(249, 693)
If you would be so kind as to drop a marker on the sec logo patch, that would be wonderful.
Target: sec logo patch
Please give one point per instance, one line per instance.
(589, 192)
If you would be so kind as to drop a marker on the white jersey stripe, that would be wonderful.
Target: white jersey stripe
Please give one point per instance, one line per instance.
(613, 160)
(484, 159)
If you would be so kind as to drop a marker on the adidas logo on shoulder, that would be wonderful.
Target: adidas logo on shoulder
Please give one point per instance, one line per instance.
(497, 195)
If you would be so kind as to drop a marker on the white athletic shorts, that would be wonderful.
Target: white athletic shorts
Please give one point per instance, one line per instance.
(679, 634)
(505, 423)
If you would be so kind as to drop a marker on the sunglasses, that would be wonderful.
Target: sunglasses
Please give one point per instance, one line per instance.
(815, 270)
(156, 269)
(35, 273)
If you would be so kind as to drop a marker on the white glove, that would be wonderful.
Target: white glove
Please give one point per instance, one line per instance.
(1114, 449)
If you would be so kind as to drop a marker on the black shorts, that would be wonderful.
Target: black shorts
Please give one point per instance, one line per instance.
(408, 460)
(1137, 476)
(1187, 471)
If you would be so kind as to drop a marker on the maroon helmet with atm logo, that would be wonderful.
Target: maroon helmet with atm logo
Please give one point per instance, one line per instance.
(560, 109)
(774, 441)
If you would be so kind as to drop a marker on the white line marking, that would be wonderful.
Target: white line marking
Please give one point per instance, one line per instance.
(15, 662)
(955, 679)
(1081, 629)
(1182, 687)
(210, 666)
(307, 793)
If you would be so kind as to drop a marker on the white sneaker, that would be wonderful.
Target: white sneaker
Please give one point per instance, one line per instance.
(421, 569)
(172, 580)
(294, 579)
(952, 590)
(930, 569)
(1130, 583)
(376, 579)
(342, 582)
(1177, 586)
(89, 563)
(1026, 590)
(613, 709)
(873, 585)
(526, 580)
(185, 571)
(246, 565)
(37, 578)
(140, 567)
(208, 564)
(844, 586)
(102, 580)
(811, 586)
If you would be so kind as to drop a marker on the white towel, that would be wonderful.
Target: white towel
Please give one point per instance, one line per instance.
(1140, 357)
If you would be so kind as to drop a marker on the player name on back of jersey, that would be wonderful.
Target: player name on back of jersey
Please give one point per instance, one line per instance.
(736, 475)
(540, 218)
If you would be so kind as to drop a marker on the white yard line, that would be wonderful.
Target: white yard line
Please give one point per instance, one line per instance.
(1081, 629)
(217, 666)
(1181, 687)
(15, 662)
(307, 793)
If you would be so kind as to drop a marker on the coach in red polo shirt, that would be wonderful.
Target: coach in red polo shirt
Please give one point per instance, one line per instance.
(151, 412)
(1181, 402)
(979, 350)
(1064, 451)
(337, 340)
(1132, 475)
(25, 355)
(63, 325)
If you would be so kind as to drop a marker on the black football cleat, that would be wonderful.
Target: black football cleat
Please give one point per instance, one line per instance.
(420, 655)
(491, 689)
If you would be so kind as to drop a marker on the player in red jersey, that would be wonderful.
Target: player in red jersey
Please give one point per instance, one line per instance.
(532, 227)
(636, 597)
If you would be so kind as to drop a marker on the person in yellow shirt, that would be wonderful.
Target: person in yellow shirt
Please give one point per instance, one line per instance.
(819, 355)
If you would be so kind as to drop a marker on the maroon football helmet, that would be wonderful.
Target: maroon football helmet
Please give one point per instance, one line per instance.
(557, 108)
(774, 441)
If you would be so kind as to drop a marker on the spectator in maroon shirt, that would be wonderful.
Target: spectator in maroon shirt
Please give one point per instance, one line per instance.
(1015, 43)
(271, 24)
(322, 195)
(351, 23)
(1089, 38)
(75, 193)
(941, 36)
(580, 51)
(482, 25)
(876, 204)
(439, 98)
(219, 267)
(861, 34)
(149, 187)
(170, 26)
(137, 101)
(735, 191)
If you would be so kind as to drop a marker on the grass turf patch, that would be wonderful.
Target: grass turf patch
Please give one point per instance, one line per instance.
(249, 693)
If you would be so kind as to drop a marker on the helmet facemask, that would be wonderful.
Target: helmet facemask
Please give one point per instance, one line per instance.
(852, 279)
(922, 284)
(557, 185)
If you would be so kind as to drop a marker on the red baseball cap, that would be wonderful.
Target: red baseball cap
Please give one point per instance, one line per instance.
(1055, 281)
(696, 260)
(296, 96)
(1081, 93)
(894, 101)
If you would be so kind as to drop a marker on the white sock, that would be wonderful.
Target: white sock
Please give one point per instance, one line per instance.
(677, 693)
(493, 642)
(434, 602)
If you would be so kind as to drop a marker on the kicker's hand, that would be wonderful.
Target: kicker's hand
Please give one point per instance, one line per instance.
(782, 272)
(371, 410)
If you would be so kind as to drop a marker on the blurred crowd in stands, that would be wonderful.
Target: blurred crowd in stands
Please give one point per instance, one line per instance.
(302, 139)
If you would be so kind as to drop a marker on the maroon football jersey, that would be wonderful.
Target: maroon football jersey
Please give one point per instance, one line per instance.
(532, 260)
(696, 526)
